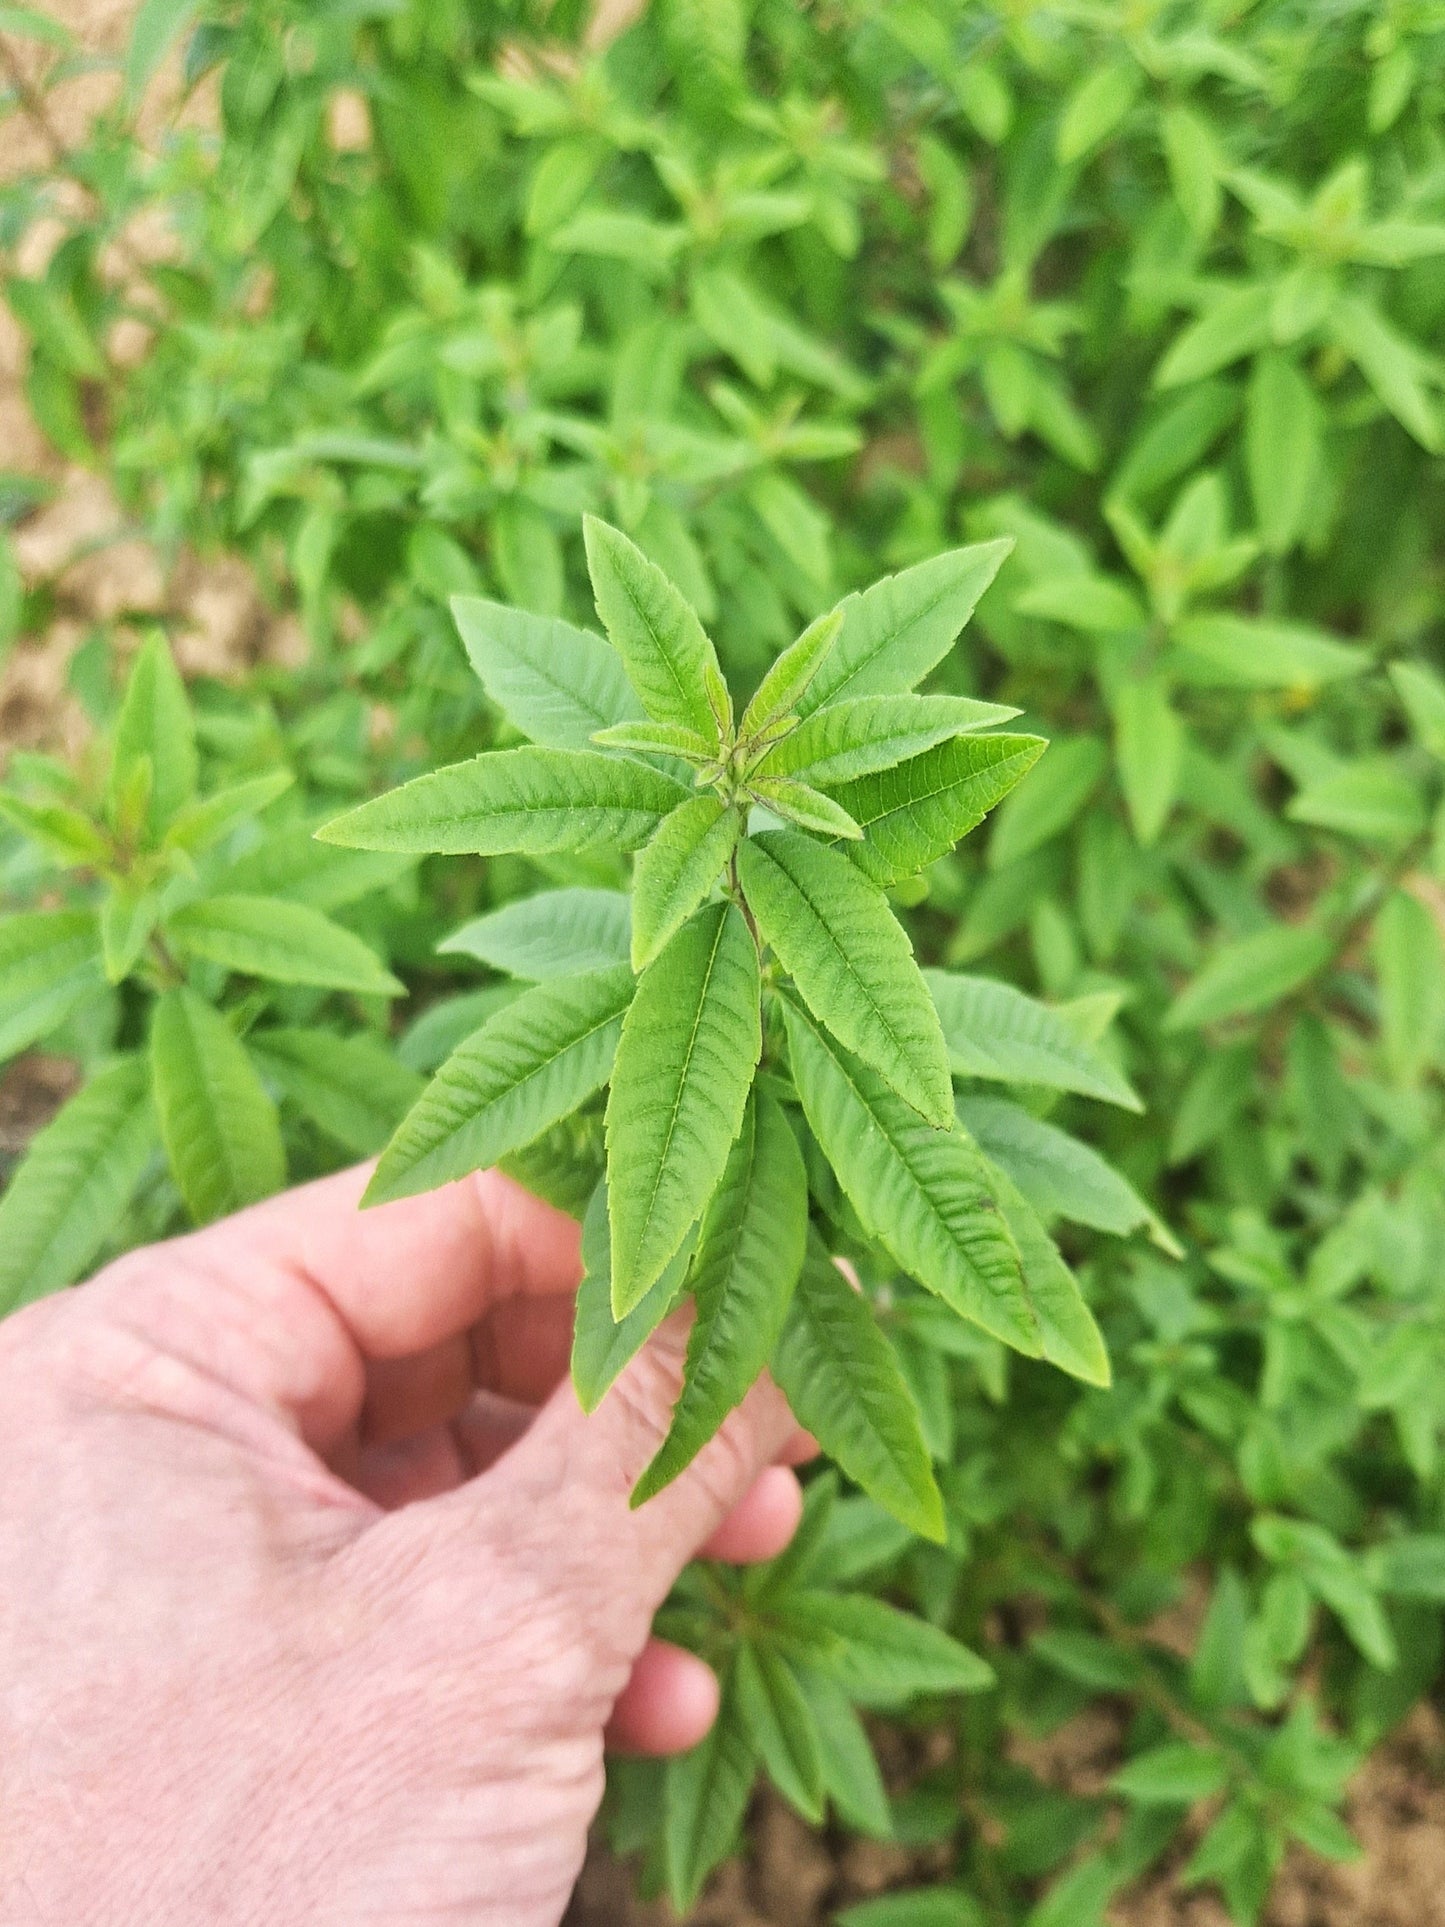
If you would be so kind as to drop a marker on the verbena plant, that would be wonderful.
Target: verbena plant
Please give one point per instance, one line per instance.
(753, 1005)
(192, 977)
(794, 296)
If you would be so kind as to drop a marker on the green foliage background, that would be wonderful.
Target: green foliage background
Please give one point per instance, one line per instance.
(796, 295)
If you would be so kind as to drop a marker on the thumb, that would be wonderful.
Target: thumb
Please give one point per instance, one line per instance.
(566, 1485)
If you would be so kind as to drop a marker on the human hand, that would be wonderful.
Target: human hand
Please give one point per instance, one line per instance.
(302, 1620)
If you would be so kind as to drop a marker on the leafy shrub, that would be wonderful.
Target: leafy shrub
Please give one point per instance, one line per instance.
(794, 297)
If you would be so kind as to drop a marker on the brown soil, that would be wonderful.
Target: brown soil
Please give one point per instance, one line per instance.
(791, 1876)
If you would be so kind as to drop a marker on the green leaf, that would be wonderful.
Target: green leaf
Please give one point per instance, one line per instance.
(601, 1346)
(749, 1254)
(427, 1043)
(219, 1127)
(914, 813)
(1284, 449)
(904, 625)
(784, 685)
(201, 823)
(528, 800)
(780, 1721)
(31, 24)
(1375, 801)
(1059, 1175)
(1423, 694)
(1174, 1774)
(690, 1045)
(1094, 604)
(1325, 1834)
(1250, 974)
(1195, 163)
(66, 1199)
(923, 1194)
(158, 25)
(657, 739)
(1050, 803)
(1149, 751)
(850, 739)
(287, 943)
(1251, 652)
(1071, 1339)
(834, 934)
(1392, 364)
(994, 1031)
(558, 684)
(530, 1065)
(352, 1088)
(1410, 967)
(557, 933)
(1234, 325)
(1095, 108)
(49, 961)
(66, 835)
(850, 1772)
(127, 917)
(668, 658)
(842, 1380)
(810, 809)
(877, 1654)
(291, 863)
(678, 870)
(155, 722)
(706, 1796)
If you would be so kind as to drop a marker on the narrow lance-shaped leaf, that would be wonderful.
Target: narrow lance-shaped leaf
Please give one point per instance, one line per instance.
(851, 739)
(836, 936)
(220, 1129)
(782, 1726)
(843, 1383)
(531, 1064)
(783, 687)
(914, 813)
(678, 869)
(690, 1044)
(706, 1796)
(896, 631)
(1057, 1173)
(1071, 1339)
(995, 1031)
(69, 1193)
(850, 1772)
(877, 1654)
(527, 800)
(601, 1345)
(667, 656)
(49, 961)
(657, 739)
(155, 723)
(810, 809)
(352, 1088)
(206, 820)
(557, 933)
(288, 943)
(127, 917)
(1250, 974)
(558, 684)
(922, 1193)
(749, 1254)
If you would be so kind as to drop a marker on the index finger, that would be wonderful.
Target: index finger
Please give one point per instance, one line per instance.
(288, 1301)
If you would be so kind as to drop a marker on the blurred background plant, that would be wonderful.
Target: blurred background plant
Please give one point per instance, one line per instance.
(370, 299)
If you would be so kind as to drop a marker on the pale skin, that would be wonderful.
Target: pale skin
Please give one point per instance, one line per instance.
(318, 1592)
